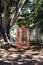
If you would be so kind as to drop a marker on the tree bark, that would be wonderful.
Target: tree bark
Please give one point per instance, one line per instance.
(0, 17)
(5, 22)
(16, 14)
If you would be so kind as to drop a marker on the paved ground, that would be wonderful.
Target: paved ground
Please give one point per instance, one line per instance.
(13, 56)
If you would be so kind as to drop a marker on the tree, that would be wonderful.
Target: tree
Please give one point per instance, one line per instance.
(37, 10)
(36, 14)
(5, 21)
(0, 15)
(25, 12)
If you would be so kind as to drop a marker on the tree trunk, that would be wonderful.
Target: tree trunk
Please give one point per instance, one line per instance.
(5, 22)
(0, 17)
(16, 14)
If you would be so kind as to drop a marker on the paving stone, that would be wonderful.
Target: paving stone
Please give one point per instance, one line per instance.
(12, 49)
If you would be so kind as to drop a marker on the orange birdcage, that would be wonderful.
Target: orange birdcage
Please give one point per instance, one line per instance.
(22, 38)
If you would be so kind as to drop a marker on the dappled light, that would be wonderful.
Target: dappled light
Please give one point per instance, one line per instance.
(21, 32)
(22, 57)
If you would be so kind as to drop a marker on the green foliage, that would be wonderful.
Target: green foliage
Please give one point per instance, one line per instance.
(35, 14)
(37, 10)
(21, 21)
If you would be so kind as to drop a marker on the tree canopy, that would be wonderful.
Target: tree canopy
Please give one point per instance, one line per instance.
(30, 11)
(33, 12)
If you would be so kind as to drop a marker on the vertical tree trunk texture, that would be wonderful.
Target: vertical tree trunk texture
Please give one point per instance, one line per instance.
(37, 30)
(0, 21)
(16, 14)
(5, 22)
(0, 17)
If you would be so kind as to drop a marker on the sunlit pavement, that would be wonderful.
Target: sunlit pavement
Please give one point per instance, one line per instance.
(13, 56)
